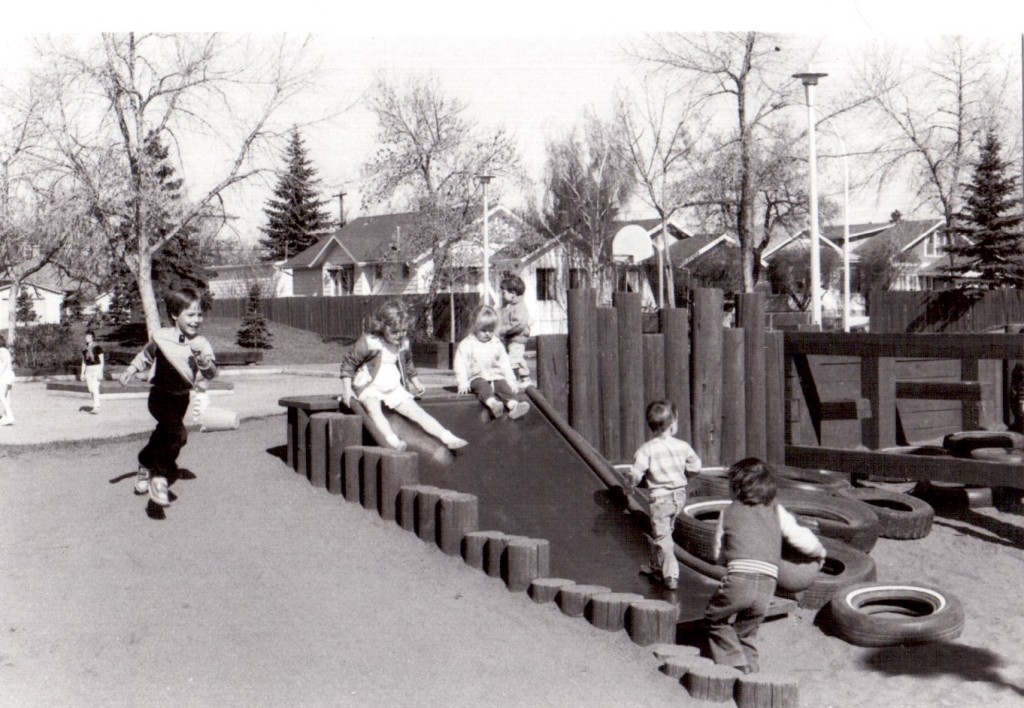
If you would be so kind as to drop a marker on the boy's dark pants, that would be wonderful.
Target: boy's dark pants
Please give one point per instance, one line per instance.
(733, 615)
(161, 453)
(485, 390)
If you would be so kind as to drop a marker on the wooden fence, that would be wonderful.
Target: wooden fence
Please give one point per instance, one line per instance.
(348, 316)
(945, 310)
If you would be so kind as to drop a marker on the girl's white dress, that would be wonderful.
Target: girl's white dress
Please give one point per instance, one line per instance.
(386, 386)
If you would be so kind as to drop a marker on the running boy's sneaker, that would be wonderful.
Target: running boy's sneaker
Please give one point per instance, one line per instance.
(517, 409)
(142, 481)
(158, 491)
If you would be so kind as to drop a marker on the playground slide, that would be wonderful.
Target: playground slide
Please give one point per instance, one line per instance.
(431, 451)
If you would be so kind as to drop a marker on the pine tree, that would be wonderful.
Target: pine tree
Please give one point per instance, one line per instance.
(990, 240)
(295, 215)
(25, 313)
(253, 334)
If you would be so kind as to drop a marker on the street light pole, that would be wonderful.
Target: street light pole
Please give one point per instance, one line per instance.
(810, 80)
(484, 180)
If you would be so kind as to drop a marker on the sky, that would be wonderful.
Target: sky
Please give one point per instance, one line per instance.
(530, 67)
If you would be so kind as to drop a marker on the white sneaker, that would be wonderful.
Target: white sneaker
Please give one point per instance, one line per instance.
(142, 481)
(453, 442)
(396, 442)
(517, 409)
(158, 491)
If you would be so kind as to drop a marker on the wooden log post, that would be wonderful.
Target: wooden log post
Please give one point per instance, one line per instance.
(707, 375)
(457, 515)
(573, 600)
(319, 449)
(654, 367)
(971, 411)
(583, 409)
(546, 589)
(752, 320)
(878, 385)
(553, 370)
(608, 373)
(734, 414)
(352, 471)
(775, 397)
(343, 431)
(474, 545)
(407, 504)
(292, 437)
(631, 376)
(528, 559)
(397, 470)
(607, 610)
(651, 622)
(426, 513)
(679, 666)
(675, 326)
(369, 476)
(711, 683)
(766, 691)
(495, 559)
(299, 410)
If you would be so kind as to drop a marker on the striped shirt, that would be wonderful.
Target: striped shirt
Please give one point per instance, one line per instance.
(661, 464)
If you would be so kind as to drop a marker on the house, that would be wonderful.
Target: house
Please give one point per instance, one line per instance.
(234, 281)
(923, 241)
(47, 291)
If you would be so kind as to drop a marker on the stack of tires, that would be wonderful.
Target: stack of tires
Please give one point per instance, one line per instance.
(1006, 447)
(848, 520)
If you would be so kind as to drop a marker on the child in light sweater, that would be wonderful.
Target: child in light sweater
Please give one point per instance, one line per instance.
(748, 540)
(483, 367)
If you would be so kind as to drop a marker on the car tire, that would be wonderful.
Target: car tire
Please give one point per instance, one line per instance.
(839, 517)
(844, 566)
(891, 614)
(961, 444)
(900, 516)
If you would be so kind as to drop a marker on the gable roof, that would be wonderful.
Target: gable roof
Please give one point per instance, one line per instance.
(906, 233)
(683, 251)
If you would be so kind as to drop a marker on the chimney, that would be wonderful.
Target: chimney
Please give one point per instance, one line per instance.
(341, 208)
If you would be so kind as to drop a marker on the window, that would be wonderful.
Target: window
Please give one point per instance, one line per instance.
(546, 284)
(341, 280)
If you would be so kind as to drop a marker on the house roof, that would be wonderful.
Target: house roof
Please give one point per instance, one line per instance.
(683, 251)
(47, 278)
(906, 233)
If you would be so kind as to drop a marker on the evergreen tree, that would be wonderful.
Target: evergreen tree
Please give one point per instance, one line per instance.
(253, 334)
(295, 215)
(26, 313)
(989, 225)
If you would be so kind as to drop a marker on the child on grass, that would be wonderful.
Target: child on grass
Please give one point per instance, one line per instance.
(661, 464)
(376, 371)
(749, 540)
(177, 358)
(6, 383)
(515, 326)
(482, 366)
(92, 369)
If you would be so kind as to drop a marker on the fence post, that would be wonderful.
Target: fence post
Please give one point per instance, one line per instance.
(675, 327)
(707, 374)
(608, 358)
(734, 429)
(751, 319)
(631, 375)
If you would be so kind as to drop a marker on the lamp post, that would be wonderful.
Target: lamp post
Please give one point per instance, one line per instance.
(810, 80)
(846, 229)
(484, 179)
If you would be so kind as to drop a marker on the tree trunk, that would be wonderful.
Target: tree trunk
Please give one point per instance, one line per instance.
(144, 282)
(12, 315)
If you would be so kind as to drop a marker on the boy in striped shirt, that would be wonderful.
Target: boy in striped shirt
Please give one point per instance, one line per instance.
(661, 464)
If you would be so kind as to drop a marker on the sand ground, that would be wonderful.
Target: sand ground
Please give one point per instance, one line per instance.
(256, 589)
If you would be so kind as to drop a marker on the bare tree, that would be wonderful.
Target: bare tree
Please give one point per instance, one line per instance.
(659, 137)
(588, 180)
(933, 114)
(429, 156)
(129, 88)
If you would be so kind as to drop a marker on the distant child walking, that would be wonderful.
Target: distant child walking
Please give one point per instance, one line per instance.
(6, 383)
(515, 326)
(377, 370)
(748, 540)
(661, 465)
(177, 359)
(482, 366)
(92, 369)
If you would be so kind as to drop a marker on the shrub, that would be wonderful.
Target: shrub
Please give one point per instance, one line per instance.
(253, 334)
(46, 348)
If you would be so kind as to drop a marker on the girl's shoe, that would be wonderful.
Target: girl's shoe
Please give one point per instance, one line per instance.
(454, 443)
(158, 491)
(396, 442)
(142, 481)
(497, 409)
(517, 409)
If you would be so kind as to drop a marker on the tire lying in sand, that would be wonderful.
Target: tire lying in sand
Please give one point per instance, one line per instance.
(810, 480)
(950, 495)
(900, 516)
(695, 527)
(843, 566)
(890, 614)
(838, 517)
(961, 444)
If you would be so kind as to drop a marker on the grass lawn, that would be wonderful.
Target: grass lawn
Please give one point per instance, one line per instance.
(291, 346)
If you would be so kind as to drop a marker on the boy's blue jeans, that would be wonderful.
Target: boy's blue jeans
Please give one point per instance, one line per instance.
(733, 615)
(664, 510)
